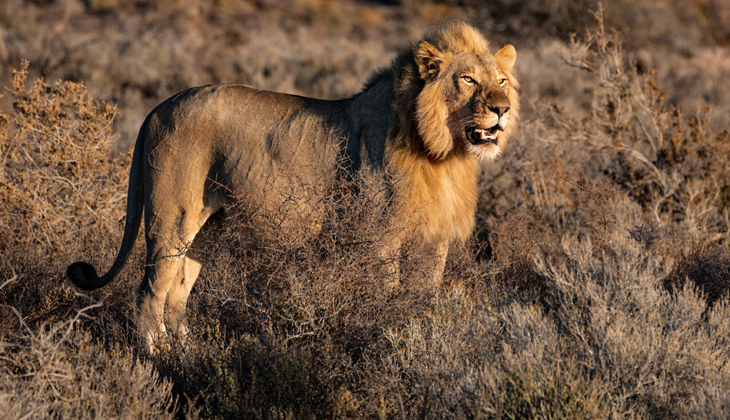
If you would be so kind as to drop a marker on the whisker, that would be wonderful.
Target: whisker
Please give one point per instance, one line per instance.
(466, 122)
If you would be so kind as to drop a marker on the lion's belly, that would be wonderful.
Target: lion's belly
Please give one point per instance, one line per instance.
(279, 180)
(274, 197)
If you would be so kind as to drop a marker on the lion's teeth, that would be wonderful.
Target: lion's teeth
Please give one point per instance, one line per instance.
(484, 134)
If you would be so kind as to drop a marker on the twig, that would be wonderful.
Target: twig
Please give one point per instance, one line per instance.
(10, 280)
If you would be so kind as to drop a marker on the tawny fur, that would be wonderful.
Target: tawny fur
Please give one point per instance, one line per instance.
(424, 124)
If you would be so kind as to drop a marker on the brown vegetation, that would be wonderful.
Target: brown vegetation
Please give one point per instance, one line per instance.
(595, 286)
(59, 180)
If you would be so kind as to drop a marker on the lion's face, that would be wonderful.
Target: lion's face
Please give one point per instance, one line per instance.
(470, 98)
(477, 94)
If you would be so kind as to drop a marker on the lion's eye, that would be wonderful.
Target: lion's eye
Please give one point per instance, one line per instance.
(468, 80)
(502, 81)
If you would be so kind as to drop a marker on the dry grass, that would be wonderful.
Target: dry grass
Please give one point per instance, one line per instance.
(595, 287)
(58, 180)
(56, 370)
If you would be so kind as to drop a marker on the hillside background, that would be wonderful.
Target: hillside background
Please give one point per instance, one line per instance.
(135, 54)
(595, 286)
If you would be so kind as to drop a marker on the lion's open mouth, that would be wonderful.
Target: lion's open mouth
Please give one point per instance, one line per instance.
(477, 136)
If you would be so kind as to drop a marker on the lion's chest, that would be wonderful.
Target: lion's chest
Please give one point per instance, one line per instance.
(441, 198)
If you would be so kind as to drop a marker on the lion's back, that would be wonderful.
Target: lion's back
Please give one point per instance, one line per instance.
(261, 144)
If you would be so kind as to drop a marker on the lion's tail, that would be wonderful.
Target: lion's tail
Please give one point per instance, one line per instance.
(83, 274)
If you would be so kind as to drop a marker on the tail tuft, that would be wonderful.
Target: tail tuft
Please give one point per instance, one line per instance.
(83, 275)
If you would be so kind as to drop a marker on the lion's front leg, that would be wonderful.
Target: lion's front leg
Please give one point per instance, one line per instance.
(389, 256)
(441, 252)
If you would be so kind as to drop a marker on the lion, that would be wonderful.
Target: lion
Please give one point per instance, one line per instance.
(425, 122)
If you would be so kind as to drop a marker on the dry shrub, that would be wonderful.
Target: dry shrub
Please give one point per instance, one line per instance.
(317, 274)
(619, 323)
(606, 328)
(306, 330)
(57, 371)
(58, 178)
(522, 234)
(707, 265)
(300, 314)
(34, 287)
(42, 295)
(517, 238)
(466, 359)
(62, 193)
(673, 165)
(227, 377)
(670, 164)
(611, 341)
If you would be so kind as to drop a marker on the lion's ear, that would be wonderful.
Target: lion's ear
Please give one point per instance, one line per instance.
(429, 60)
(506, 57)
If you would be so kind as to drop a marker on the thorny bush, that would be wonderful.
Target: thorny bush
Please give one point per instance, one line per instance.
(59, 180)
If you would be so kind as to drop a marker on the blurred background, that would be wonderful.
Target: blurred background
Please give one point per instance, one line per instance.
(136, 53)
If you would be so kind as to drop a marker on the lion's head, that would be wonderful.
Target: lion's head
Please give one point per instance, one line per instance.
(466, 98)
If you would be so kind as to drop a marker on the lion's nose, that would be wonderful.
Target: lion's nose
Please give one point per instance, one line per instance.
(499, 110)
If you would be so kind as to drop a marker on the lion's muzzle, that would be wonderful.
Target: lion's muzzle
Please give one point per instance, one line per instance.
(478, 136)
(488, 128)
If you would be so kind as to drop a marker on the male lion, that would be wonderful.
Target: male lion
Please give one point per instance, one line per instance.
(426, 121)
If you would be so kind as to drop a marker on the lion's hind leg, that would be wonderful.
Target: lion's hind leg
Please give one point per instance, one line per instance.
(177, 297)
(160, 272)
(170, 273)
(212, 218)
